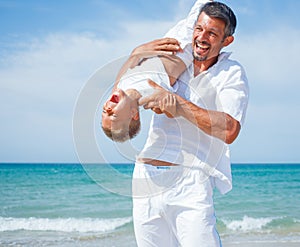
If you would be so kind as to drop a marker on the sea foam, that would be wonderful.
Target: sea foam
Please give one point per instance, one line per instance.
(247, 224)
(62, 225)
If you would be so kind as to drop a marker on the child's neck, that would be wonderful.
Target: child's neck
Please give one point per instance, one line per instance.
(133, 94)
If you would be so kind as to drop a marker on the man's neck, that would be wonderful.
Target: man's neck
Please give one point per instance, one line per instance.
(200, 66)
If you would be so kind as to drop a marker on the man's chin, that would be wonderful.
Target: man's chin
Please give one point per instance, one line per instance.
(199, 58)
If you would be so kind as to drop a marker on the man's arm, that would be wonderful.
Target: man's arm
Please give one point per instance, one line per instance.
(166, 48)
(214, 123)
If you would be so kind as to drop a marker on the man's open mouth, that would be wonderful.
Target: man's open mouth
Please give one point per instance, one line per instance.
(203, 47)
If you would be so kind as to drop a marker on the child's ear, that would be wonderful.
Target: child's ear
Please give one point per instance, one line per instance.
(135, 114)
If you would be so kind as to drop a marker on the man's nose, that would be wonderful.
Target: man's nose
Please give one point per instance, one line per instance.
(203, 36)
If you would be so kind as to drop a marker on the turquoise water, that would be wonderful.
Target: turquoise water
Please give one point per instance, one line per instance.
(61, 205)
(263, 205)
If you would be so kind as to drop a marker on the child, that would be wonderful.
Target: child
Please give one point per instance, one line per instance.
(120, 116)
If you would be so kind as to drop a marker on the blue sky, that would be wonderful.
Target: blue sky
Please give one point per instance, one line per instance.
(50, 49)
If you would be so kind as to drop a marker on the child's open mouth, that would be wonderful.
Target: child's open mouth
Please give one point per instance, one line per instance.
(114, 98)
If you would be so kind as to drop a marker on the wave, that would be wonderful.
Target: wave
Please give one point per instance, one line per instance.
(84, 225)
(63, 225)
(268, 224)
(247, 224)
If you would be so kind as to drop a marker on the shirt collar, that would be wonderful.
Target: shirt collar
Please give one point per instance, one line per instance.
(224, 55)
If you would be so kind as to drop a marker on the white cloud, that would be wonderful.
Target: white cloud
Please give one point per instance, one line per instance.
(271, 130)
(271, 60)
(39, 86)
(40, 82)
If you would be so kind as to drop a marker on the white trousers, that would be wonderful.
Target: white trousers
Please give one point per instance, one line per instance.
(172, 206)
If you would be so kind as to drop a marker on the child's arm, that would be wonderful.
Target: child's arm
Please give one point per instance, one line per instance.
(174, 67)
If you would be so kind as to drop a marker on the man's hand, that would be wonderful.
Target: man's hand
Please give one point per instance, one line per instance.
(161, 101)
(164, 46)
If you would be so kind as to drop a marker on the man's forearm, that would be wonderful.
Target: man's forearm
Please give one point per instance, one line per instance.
(214, 123)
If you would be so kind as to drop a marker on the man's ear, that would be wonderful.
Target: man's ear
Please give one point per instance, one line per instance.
(228, 40)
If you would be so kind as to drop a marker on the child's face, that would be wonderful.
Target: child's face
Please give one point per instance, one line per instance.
(117, 111)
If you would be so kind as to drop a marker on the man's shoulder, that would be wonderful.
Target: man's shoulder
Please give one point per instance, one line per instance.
(225, 60)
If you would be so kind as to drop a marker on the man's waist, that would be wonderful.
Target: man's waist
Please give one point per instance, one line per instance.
(155, 162)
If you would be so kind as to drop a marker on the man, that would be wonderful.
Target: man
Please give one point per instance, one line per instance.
(185, 157)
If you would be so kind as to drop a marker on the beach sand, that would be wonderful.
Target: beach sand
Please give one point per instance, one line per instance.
(123, 240)
(262, 244)
(130, 241)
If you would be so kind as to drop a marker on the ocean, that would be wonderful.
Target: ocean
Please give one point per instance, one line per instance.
(61, 205)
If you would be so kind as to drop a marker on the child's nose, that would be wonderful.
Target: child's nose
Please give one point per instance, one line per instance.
(108, 108)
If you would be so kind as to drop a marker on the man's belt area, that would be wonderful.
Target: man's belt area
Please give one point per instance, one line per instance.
(155, 162)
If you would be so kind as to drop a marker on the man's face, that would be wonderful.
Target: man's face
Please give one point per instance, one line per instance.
(208, 37)
(117, 111)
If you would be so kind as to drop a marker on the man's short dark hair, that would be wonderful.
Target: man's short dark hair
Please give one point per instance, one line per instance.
(223, 12)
